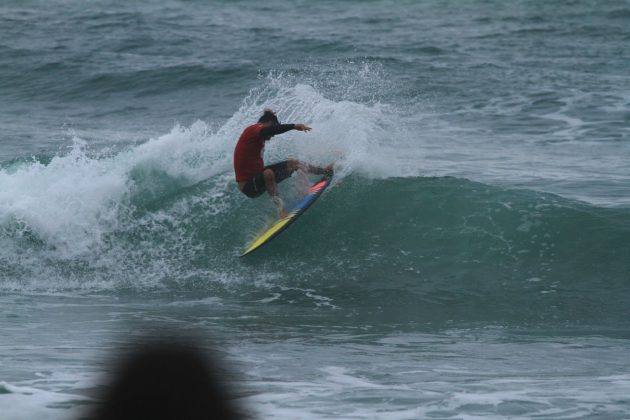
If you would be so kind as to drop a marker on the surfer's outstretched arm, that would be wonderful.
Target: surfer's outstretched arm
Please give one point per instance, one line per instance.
(275, 129)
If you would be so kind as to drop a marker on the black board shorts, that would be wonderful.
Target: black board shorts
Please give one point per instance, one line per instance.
(255, 186)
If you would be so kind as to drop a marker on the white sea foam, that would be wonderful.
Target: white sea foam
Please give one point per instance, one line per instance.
(443, 376)
(27, 402)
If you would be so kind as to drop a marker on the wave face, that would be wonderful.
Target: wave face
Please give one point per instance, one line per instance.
(386, 239)
(431, 248)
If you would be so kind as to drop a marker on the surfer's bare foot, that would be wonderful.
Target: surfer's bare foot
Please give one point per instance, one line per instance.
(282, 212)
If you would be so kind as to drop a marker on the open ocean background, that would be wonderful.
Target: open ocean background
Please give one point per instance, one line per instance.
(471, 259)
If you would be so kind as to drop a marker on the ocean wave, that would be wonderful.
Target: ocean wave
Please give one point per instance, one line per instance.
(448, 246)
(166, 215)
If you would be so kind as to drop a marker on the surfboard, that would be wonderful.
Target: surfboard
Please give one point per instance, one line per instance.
(280, 225)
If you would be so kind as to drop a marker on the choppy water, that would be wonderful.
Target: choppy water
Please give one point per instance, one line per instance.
(471, 259)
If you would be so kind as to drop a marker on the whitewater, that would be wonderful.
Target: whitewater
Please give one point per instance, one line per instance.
(469, 260)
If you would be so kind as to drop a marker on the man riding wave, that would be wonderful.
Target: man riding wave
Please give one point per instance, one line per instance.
(252, 176)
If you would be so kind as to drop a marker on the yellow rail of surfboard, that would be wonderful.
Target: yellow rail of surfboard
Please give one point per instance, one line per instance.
(314, 192)
(269, 233)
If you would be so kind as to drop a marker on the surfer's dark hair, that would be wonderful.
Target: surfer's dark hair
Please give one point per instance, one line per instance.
(268, 116)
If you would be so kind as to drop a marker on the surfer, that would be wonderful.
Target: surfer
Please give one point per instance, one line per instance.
(252, 176)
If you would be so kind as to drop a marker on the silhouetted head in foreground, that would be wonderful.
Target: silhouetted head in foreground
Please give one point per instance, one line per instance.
(166, 381)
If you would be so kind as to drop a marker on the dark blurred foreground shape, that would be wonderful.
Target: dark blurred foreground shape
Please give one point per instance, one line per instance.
(166, 381)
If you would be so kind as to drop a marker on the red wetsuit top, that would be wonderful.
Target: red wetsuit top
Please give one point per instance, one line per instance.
(248, 153)
(249, 149)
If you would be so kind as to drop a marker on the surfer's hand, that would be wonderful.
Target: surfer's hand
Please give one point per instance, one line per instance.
(301, 127)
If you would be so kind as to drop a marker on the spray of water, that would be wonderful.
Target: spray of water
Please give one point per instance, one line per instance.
(93, 219)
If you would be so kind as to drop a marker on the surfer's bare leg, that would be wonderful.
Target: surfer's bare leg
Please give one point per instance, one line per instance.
(303, 168)
(272, 189)
(294, 165)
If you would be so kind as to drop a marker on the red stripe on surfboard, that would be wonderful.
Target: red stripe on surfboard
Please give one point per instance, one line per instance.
(316, 187)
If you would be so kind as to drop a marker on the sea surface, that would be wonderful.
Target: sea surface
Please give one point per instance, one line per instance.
(471, 259)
